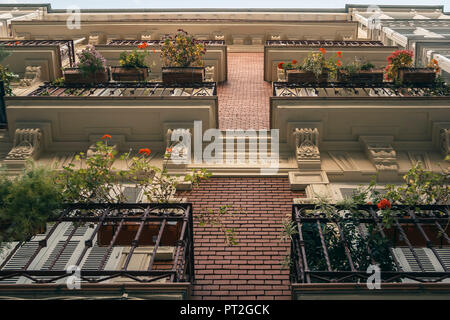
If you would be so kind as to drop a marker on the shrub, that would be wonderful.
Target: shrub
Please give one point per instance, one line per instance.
(182, 50)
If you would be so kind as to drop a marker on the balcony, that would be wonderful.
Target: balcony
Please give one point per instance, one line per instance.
(366, 90)
(147, 247)
(126, 89)
(334, 254)
(276, 51)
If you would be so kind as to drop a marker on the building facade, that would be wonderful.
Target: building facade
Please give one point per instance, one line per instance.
(273, 148)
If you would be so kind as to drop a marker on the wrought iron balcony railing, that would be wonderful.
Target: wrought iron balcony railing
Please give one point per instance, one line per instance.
(126, 89)
(348, 90)
(130, 226)
(135, 43)
(66, 47)
(413, 246)
(322, 43)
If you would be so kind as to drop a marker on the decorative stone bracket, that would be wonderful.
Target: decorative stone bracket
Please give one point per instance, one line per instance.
(28, 144)
(380, 152)
(307, 148)
(444, 141)
(181, 148)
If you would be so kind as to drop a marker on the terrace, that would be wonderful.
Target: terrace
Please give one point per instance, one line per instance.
(114, 245)
(333, 251)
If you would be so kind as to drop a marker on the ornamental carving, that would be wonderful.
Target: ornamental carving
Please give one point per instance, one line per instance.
(380, 152)
(307, 148)
(27, 144)
(444, 141)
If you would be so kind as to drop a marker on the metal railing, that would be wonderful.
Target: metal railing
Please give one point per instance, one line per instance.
(66, 47)
(340, 89)
(323, 43)
(327, 249)
(126, 89)
(116, 216)
(135, 43)
(3, 122)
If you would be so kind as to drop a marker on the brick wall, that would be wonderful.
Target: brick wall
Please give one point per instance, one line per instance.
(252, 269)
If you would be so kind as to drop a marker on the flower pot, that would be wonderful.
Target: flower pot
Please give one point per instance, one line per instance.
(300, 76)
(362, 76)
(73, 75)
(180, 75)
(147, 237)
(416, 75)
(129, 74)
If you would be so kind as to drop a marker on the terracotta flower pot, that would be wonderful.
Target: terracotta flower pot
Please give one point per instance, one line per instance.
(416, 75)
(129, 74)
(301, 76)
(362, 76)
(74, 76)
(181, 75)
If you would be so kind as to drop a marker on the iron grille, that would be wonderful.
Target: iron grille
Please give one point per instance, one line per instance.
(341, 89)
(135, 43)
(124, 89)
(323, 43)
(181, 269)
(66, 47)
(313, 262)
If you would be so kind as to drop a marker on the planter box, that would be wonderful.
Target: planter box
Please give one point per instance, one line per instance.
(416, 75)
(363, 76)
(73, 75)
(174, 75)
(129, 74)
(148, 236)
(300, 76)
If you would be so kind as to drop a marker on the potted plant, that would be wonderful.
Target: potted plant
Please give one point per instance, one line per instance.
(315, 69)
(132, 65)
(181, 56)
(400, 69)
(360, 73)
(91, 68)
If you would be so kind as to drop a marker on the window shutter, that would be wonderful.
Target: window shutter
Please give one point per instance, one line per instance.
(19, 259)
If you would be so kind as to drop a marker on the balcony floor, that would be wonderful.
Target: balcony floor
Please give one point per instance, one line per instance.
(244, 98)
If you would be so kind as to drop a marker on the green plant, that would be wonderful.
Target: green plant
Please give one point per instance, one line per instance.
(27, 202)
(134, 59)
(316, 63)
(289, 66)
(90, 61)
(58, 82)
(7, 77)
(182, 50)
(212, 218)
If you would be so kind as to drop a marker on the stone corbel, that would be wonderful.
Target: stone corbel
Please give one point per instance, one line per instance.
(28, 144)
(444, 141)
(307, 148)
(32, 76)
(380, 152)
(182, 146)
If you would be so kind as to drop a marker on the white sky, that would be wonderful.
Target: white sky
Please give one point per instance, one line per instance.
(104, 4)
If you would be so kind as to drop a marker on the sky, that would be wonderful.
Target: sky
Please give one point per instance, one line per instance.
(119, 4)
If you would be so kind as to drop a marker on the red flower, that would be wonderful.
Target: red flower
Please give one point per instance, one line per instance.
(383, 204)
(294, 61)
(370, 203)
(339, 53)
(338, 63)
(17, 42)
(168, 150)
(322, 50)
(145, 150)
(106, 136)
(143, 45)
(280, 65)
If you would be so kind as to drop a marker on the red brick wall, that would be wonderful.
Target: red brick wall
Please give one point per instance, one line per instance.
(252, 269)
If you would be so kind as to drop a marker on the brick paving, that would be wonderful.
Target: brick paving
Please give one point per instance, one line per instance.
(244, 98)
(251, 269)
